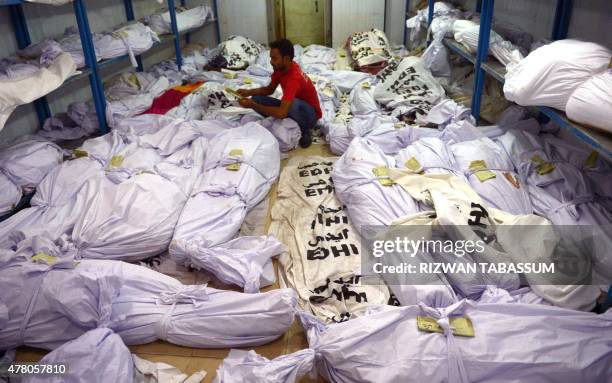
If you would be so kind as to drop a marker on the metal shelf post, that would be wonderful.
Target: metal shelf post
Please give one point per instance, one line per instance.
(97, 89)
(486, 19)
(563, 14)
(129, 15)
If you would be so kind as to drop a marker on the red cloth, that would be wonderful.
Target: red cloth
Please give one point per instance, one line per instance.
(171, 98)
(296, 84)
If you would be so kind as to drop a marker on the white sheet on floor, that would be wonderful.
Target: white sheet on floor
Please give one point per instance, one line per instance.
(248, 366)
(323, 257)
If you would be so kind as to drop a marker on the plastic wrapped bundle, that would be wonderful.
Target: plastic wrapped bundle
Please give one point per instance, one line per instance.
(239, 169)
(56, 204)
(185, 19)
(361, 184)
(591, 104)
(467, 32)
(550, 74)
(139, 304)
(491, 173)
(351, 351)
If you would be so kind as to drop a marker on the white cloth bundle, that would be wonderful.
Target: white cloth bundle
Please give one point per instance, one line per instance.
(132, 39)
(100, 355)
(27, 160)
(362, 186)
(56, 204)
(241, 165)
(248, 366)
(139, 304)
(10, 194)
(239, 51)
(369, 47)
(491, 174)
(23, 90)
(185, 19)
(407, 87)
(131, 94)
(591, 104)
(550, 74)
(467, 33)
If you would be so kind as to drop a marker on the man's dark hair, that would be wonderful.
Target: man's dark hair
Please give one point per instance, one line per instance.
(284, 46)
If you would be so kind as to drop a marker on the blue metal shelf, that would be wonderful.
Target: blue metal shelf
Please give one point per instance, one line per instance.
(93, 67)
(600, 141)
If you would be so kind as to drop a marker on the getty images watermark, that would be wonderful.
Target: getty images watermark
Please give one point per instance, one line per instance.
(437, 254)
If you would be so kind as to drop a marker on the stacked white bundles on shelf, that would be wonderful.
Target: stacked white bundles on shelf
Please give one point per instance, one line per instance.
(550, 74)
(132, 39)
(591, 104)
(25, 89)
(362, 185)
(369, 47)
(407, 88)
(240, 167)
(185, 19)
(467, 32)
(491, 174)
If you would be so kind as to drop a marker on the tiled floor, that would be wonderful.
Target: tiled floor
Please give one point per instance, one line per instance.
(190, 360)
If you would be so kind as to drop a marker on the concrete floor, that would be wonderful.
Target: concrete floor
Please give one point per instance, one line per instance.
(190, 360)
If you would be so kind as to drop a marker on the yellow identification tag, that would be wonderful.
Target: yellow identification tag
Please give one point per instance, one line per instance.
(542, 167)
(235, 152)
(481, 170)
(365, 85)
(382, 172)
(233, 167)
(229, 74)
(41, 257)
(398, 125)
(591, 160)
(78, 153)
(461, 326)
(247, 80)
(414, 165)
(115, 162)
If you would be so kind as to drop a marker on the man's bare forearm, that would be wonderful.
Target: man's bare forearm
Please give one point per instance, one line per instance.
(274, 111)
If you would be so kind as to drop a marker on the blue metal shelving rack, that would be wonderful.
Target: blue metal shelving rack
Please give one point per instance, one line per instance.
(92, 67)
(482, 67)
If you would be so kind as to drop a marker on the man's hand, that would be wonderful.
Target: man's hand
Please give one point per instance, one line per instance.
(244, 92)
(246, 102)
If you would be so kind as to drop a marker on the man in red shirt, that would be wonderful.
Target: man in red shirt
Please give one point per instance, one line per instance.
(300, 101)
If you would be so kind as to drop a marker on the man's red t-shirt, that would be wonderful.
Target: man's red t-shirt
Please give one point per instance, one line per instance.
(296, 84)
